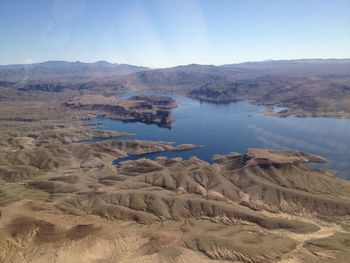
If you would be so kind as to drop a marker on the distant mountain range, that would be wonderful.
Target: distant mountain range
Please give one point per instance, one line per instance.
(192, 76)
(319, 87)
(65, 70)
(188, 74)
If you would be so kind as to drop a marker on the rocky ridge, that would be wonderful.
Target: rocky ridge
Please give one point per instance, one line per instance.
(62, 199)
(148, 109)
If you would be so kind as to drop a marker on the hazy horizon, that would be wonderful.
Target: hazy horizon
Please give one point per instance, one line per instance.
(166, 33)
(216, 65)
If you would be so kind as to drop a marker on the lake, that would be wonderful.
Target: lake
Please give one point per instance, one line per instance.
(234, 127)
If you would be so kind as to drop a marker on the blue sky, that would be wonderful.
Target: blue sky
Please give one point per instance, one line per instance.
(160, 33)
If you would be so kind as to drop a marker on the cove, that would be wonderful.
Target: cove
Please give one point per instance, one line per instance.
(234, 127)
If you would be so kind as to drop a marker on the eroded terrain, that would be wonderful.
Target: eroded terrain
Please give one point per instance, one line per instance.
(305, 87)
(62, 200)
(148, 109)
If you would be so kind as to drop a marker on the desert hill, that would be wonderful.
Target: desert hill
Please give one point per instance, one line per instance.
(306, 87)
(62, 199)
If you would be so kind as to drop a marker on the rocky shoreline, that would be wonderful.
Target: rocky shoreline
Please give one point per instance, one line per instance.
(147, 109)
(62, 201)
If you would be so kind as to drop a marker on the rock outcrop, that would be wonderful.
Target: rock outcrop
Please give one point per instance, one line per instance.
(62, 199)
(151, 110)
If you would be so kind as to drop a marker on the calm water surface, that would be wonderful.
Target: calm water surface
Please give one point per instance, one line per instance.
(224, 128)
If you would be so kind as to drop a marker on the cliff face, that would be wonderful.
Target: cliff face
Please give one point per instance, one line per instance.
(151, 110)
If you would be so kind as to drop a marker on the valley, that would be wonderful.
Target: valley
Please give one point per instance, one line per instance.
(88, 174)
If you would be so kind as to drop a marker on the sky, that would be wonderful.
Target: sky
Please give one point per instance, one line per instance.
(163, 33)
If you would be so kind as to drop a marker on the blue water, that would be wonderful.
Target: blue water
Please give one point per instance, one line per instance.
(234, 127)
